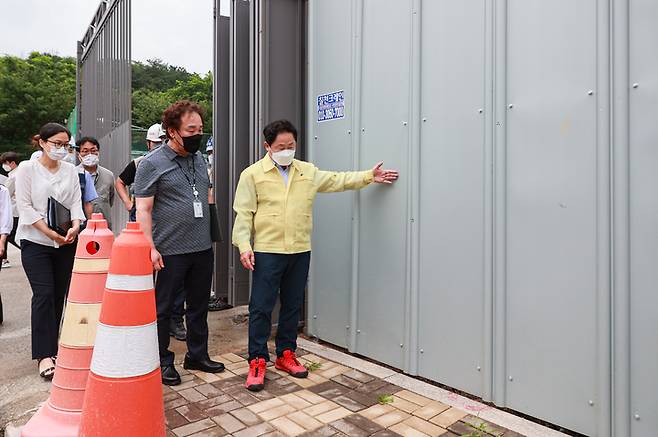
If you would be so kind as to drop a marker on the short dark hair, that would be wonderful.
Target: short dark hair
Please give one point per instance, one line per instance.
(9, 157)
(171, 118)
(273, 130)
(50, 129)
(91, 140)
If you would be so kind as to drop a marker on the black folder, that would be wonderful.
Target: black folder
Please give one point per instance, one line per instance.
(59, 217)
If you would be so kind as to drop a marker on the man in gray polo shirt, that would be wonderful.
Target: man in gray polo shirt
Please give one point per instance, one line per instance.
(172, 188)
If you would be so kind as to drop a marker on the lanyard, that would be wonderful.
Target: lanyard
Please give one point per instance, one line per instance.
(191, 182)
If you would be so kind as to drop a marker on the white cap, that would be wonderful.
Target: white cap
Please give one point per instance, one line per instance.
(155, 133)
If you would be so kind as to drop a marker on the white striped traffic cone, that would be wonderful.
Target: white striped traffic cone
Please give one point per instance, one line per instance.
(124, 389)
(60, 416)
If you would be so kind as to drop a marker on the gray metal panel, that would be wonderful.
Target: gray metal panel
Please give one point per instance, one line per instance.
(384, 220)
(643, 107)
(552, 223)
(239, 146)
(329, 290)
(453, 177)
(283, 63)
(221, 152)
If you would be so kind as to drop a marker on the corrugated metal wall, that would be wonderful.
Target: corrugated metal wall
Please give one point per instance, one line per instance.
(514, 259)
(104, 88)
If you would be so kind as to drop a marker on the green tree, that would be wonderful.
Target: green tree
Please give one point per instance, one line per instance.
(33, 91)
(41, 88)
(156, 75)
(148, 106)
(197, 89)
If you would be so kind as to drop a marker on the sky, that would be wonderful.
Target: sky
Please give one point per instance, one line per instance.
(177, 31)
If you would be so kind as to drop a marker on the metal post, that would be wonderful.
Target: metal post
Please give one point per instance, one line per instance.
(78, 84)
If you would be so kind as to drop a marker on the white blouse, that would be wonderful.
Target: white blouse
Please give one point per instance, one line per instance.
(34, 185)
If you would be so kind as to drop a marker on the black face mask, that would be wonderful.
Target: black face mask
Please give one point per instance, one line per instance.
(192, 144)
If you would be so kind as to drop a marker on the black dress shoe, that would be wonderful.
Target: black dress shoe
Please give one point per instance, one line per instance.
(177, 330)
(218, 304)
(207, 365)
(170, 375)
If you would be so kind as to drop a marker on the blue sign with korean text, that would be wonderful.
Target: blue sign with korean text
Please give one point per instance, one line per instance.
(331, 106)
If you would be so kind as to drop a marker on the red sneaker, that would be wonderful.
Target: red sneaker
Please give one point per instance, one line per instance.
(256, 376)
(289, 363)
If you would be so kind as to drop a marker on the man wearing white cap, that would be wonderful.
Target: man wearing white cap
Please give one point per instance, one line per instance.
(154, 138)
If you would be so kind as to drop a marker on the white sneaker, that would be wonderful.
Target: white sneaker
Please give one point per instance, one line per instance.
(6, 264)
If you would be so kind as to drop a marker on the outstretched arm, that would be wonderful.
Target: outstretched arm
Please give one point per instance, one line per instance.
(331, 182)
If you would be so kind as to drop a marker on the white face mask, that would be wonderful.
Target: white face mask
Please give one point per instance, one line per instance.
(70, 157)
(58, 153)
(6, 167)
(284, 158)
(90, 160)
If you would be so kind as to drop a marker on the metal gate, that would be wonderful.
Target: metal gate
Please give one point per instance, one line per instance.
(105, 90)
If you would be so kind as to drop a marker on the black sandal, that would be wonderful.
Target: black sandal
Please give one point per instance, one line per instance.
(48, 373)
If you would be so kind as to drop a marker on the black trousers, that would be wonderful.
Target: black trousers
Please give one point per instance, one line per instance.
(49, 272)
(195, 271)
(273, 273)
(178, 307)
(11, 238)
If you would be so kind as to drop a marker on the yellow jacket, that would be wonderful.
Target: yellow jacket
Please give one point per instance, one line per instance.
(280, 217)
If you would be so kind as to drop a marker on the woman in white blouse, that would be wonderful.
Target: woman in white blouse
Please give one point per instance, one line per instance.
(47, 256)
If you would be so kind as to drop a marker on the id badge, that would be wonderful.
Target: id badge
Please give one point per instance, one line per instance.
(198, 209)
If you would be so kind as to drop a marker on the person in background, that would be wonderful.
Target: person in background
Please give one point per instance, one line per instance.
(172, 192)
(210, 148)
(9, 161)
(5, 228)
(87, 187)
(71, 157)
(3, 176)
(154, 139)
(89, 150)
(274, 205)
(47, 256)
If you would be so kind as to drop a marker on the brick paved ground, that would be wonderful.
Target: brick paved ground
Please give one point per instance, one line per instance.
(334, 401)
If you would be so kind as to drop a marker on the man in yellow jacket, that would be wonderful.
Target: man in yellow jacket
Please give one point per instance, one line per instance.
(274, 205)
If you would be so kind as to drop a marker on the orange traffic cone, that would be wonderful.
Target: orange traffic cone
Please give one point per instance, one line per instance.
(60, 416)
(124, 390)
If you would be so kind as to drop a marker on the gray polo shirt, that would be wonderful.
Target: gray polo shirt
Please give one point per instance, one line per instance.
(167, 176)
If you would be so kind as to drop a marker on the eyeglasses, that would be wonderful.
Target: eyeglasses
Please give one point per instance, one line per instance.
(58, 144)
